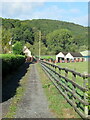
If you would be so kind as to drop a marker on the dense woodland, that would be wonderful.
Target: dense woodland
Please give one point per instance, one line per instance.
(55, 35)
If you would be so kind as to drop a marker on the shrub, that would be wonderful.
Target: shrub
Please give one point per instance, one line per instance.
(18, 48)
(10, 63)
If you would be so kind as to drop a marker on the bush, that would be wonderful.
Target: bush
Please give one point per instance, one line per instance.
(18, 48)
(10, 63)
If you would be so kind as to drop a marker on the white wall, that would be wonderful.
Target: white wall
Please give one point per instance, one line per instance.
(69, 56)
(60, 55)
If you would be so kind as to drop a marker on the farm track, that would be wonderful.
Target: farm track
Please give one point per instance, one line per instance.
(34, 103)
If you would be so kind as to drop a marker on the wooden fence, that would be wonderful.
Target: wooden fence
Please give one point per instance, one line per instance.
(75, 93)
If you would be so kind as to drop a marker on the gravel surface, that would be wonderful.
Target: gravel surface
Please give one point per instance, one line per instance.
(34, 103)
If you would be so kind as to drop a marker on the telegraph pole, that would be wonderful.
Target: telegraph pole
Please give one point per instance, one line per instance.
(39, 44)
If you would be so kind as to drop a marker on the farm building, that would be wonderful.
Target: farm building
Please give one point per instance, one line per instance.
(69, 57)
(60, 57)
(27, 52)
(86, 55)
(74, 57)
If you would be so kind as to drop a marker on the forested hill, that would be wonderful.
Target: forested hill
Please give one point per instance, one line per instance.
(47, 25)
(55, 35)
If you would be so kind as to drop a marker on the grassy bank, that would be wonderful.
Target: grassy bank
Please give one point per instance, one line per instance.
(57, 104)
(16, 99)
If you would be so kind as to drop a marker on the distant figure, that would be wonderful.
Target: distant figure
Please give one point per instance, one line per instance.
(27, 52)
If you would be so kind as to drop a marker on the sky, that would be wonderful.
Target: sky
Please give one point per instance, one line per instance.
(76, 12)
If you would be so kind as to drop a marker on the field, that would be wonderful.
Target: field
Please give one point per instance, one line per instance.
(48, 57)
(81, 67)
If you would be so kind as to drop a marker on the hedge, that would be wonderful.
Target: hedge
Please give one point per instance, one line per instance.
(10, 63)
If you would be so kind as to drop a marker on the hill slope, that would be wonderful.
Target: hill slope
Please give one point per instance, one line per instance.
(27, 31)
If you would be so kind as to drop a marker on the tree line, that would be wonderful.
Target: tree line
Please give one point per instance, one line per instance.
(56, 35)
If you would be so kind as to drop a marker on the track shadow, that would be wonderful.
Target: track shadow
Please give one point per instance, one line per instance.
(9, 89)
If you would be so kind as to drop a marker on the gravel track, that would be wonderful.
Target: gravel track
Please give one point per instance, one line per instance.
(34, 103)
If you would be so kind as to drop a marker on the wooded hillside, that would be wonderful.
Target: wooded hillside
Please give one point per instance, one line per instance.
(55, 35)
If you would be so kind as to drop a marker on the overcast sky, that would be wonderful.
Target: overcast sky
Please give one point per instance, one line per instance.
(74, 11)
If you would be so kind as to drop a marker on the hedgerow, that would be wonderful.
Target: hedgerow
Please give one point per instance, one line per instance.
(10, 63)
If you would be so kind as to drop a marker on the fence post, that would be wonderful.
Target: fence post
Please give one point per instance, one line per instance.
(55, 68)
(74, 87)
(66, 75)
(59, 71)
(85, 81)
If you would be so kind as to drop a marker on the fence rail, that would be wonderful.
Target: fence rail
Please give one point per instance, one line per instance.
(72, 91)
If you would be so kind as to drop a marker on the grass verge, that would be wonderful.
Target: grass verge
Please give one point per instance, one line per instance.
(57, 103)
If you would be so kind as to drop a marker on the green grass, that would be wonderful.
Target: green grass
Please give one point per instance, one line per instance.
(15, 101)
(81, 67)
(48, 57)
(57, 103)
(17, 98)
(78, 80)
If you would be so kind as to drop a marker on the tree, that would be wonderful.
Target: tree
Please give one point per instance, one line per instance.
(6, 37)
(17, 34)
(0, 40)
(18, 48)
(28, 36)
(59, 40)
(28, 31)
(82, 48)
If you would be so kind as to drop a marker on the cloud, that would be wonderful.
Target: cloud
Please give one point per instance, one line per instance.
(40, 10)
(52, 12)
(74, 10)
(24, 1)
(27, 11)
(44, 1)
(0, 9)
(15, 9)
(57, 13)
(82, 20)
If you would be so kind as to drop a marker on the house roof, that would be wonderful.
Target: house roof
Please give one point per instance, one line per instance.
(65, 53)
(76, 54)
(85, 53)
